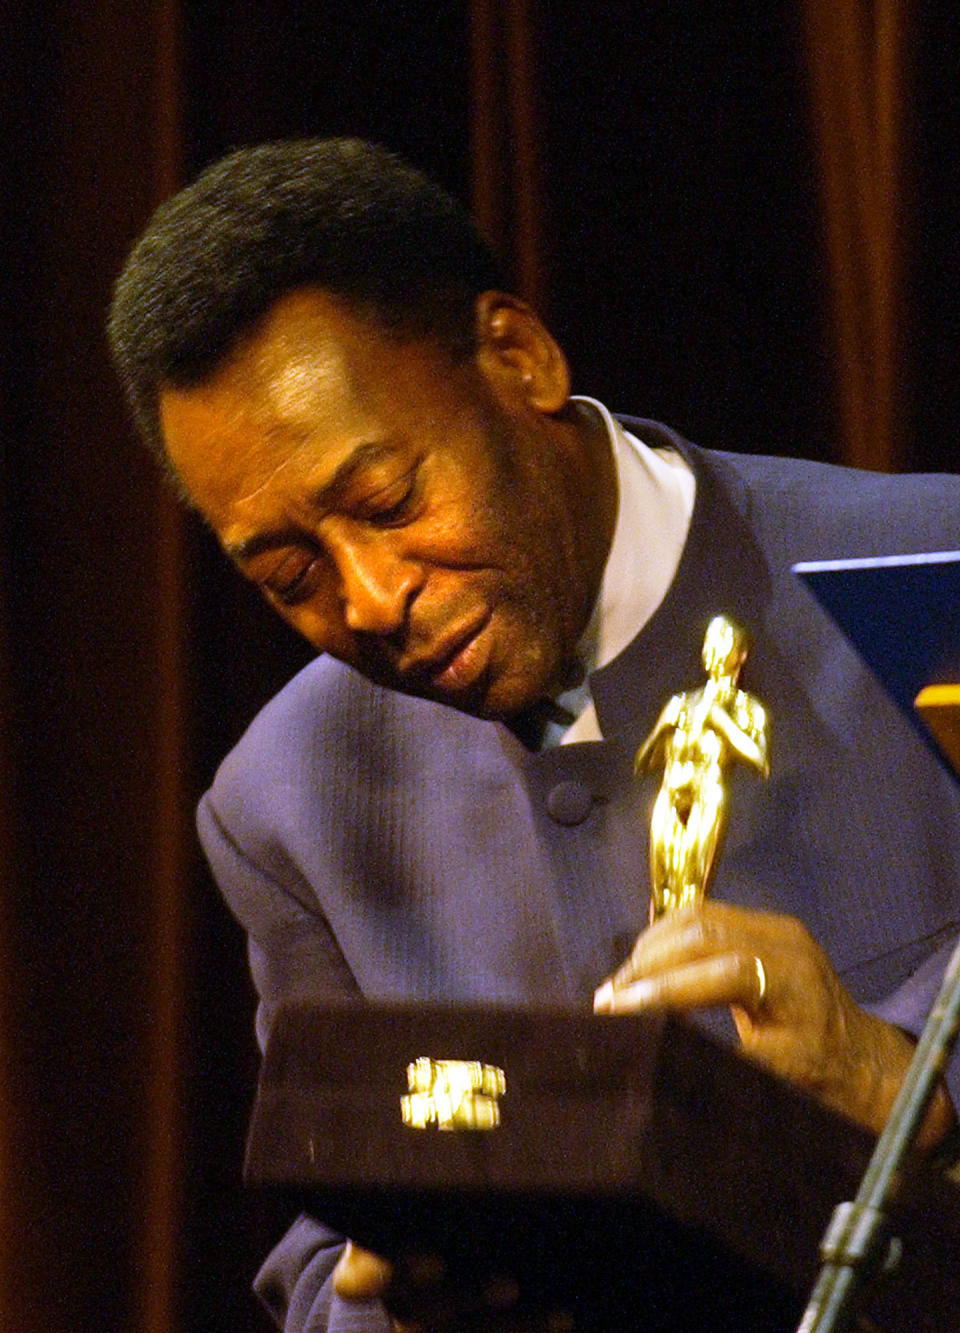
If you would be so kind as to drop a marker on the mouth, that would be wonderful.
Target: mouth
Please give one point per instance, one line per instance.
(457, 662)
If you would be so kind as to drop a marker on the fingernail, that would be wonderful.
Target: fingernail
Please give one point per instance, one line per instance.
(635, 996)
(603, 997)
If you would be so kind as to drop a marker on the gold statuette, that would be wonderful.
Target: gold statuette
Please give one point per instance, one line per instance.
(696, 737)
(452, 1094)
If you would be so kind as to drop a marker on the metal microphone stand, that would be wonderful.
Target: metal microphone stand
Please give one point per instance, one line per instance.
(855, 1244)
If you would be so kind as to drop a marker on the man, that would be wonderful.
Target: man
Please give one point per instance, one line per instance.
(383, 440)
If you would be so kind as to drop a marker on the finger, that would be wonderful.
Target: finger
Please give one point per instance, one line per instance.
(696, 932)
(669, 943)
(730, 978)
(360, 1275)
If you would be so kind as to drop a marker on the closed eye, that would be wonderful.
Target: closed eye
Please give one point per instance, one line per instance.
(299, 588)
(295, 579)
(391, 506)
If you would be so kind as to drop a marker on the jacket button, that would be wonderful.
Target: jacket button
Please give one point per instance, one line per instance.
(569, 802)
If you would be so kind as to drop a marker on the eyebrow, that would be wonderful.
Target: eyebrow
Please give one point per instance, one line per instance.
(363, 456)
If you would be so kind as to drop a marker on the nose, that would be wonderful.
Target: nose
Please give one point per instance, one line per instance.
(377, 582)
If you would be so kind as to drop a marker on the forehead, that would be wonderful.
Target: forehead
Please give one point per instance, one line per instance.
(312, 382)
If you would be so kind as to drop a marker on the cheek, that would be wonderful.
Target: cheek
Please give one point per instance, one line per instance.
(463, 535)
(468, 516)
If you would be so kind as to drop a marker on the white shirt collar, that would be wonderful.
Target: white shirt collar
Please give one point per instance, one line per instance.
(656, 495)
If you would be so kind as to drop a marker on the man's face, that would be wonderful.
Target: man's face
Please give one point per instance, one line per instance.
(427, 522)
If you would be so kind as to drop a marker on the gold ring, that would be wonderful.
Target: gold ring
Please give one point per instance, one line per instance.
(761, 976)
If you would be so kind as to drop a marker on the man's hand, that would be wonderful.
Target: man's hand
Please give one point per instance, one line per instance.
(360, 1275)
(789, 1006)
(363, 1276)
(433, 1302)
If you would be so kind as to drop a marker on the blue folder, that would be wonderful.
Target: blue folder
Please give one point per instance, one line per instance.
(902, 614)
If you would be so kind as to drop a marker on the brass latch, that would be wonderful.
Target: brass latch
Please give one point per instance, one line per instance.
(452, 1094)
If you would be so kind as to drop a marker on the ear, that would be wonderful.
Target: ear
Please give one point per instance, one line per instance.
(518, 354)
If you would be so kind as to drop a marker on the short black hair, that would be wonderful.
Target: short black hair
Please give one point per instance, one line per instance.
(343, 215)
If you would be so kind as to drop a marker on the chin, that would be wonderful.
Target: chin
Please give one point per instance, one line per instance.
(506, 699)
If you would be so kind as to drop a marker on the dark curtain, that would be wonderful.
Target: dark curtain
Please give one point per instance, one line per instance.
(741, 222)
(859, 92)
(99, 848)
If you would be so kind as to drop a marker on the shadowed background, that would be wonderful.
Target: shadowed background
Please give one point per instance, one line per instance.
(739, 219)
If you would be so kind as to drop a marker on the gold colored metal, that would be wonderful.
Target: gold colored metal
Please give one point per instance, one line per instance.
(696, 737)
(452, 1094)
(939, 706)
(761, 974)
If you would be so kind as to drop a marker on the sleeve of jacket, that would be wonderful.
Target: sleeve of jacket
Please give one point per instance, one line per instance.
(293, 953)
(296, 1287)
(908, 1006)
(293, 956)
